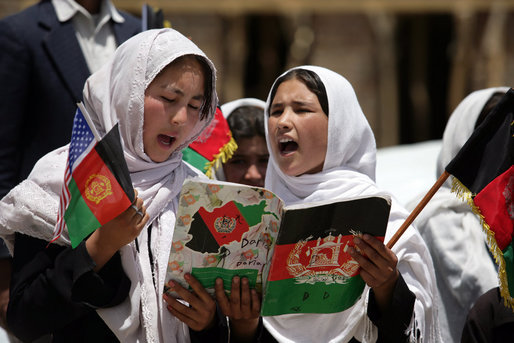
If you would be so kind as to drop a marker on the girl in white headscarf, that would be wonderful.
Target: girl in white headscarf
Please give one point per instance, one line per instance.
(321, 147)
(160, 87)
(246, 122)
(453, 233)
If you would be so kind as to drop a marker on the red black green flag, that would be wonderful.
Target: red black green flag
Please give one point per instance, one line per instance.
(97, 185)
(214, 146)
(484, 177)
(311, 269)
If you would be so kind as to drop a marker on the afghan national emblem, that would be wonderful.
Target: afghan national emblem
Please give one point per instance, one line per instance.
(321, 263)
(98, 187)
(225, 224)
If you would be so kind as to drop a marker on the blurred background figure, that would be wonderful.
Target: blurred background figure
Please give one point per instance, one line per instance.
(464, 267)
(48, 51)
(247, 166)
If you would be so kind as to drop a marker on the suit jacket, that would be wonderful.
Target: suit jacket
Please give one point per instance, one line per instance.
(42, 74)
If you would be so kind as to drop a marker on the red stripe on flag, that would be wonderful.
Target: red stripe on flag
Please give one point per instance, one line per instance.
(311, 257)
(100, 189)
(494, 202)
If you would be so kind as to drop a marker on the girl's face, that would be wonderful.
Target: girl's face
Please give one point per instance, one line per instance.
(172, 107)
(297, 129)
(248, 164)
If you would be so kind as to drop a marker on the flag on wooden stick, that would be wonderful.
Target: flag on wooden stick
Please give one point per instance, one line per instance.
(483, 176)
(97, 185)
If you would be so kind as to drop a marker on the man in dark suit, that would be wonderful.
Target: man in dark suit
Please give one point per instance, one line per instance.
(47, 52)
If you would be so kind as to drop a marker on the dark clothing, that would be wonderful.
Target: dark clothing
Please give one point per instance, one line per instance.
(42, 74)
(55, 290)
(392, 324)
(489, 320)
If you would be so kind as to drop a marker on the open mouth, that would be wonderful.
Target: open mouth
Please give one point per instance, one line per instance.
(287, 146)
(166, 140)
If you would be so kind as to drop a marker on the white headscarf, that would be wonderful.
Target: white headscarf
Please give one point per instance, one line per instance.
(116, 93)
(349, 171)
(227, 110)
(453, 233)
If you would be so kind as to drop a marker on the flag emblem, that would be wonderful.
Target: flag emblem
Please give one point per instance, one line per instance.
(98, 187)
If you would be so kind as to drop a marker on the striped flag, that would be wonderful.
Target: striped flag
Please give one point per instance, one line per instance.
(214, 146)
(484, 177)
(97, 185)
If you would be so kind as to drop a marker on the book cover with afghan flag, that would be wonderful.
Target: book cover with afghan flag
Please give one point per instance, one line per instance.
(214, 146)
(311, 269)
(296, 256)
(97, 185)
(483, 176)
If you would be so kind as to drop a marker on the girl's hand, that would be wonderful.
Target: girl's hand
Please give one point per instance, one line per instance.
(378, 267)
(243, 308)
(105, 241)
(200, 313)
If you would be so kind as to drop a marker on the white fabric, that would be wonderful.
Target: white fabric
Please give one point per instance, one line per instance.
(116, 93)
(231, 106)
(227, 110)
(349, 171)
(94, 34)
(454, 236)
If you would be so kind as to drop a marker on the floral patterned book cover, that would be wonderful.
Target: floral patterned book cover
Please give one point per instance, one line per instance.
(295, 256)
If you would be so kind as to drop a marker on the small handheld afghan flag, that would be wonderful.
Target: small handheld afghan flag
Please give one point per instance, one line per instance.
(214, 146)
(484, 177)
(97, 185)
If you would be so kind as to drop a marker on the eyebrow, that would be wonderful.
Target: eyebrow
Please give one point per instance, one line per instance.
(199, 97)
(297, 103)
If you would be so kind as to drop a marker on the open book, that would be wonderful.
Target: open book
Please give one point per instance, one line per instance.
(297, 256)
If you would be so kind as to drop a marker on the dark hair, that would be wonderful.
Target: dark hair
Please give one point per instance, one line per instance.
(246, 122)
(488, 107)
(207, 88)
(310, 79)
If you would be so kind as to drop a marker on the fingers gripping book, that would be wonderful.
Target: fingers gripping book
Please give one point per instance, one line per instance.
(296, 256)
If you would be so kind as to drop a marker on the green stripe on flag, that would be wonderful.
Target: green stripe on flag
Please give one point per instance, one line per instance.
(252, 213)
(508, 256)
(194, 158)
(286, 296)
(78, 217)
(208, 276)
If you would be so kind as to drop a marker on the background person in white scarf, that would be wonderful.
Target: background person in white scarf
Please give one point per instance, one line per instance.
(161, 88)
(246, 122)
(323, 148)
(453, 233)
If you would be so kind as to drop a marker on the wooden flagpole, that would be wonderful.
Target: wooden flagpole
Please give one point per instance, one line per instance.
(418, 209)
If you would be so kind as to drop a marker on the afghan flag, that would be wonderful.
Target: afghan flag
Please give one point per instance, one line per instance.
(484, 177)
(97, 185)
(214, 146)
(312, 270)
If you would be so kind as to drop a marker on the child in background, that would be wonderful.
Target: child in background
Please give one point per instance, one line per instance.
(247, 166)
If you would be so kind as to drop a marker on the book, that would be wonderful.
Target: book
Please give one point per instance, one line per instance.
(296, 256)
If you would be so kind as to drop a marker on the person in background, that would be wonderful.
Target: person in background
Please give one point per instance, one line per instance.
(247, 166)
(464, 267)
(48, 52)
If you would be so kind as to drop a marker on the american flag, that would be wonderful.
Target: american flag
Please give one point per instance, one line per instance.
(82, 142)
